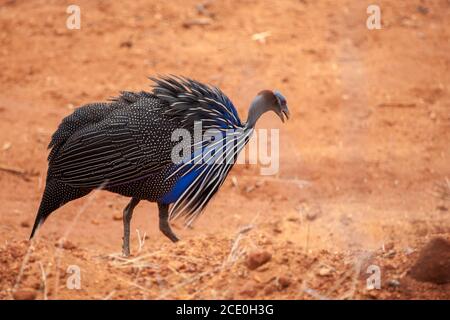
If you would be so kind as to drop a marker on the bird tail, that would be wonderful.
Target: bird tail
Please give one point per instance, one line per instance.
(56, 194)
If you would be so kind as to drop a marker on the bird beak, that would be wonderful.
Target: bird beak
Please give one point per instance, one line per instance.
(283, 113)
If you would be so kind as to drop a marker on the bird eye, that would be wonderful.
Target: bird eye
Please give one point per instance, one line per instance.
(280, 98)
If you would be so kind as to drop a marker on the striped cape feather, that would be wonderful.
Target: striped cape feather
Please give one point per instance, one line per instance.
(191, 102)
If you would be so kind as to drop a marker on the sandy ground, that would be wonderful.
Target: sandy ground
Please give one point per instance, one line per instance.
(361, 162)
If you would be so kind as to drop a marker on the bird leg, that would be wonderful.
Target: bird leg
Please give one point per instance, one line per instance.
(164, 222)
(127, 215)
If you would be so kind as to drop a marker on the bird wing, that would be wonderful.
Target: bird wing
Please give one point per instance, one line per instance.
(108, 153)
(190, 101)
(207, 177)
(90, 114)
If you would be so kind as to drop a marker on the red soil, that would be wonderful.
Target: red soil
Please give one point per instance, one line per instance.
(367, 144)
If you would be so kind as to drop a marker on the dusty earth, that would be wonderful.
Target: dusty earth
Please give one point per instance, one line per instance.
(364, 160)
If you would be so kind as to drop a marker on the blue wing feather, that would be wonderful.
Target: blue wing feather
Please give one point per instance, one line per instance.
(190, 101)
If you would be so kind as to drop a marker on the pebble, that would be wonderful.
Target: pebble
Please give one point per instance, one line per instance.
(409, 250)
(388, 246)
(25, 224)
(66, 244)
(257, 259)
(249, 292)
(311, 215)
(24, 294)
(432, 116)
(284, 282)
(324, 271)
(270, 288)
(394, 283)
(390, 254)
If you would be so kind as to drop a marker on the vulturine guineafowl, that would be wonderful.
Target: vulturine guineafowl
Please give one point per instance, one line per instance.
(126, 147)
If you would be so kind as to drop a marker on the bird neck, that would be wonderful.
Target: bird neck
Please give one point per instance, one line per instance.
(257, 108)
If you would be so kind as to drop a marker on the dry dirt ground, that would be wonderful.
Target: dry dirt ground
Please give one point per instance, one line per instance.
(363, 160)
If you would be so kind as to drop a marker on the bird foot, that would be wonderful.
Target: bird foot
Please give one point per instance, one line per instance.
(125, 251)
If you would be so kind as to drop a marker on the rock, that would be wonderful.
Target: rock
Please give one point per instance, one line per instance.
(270, 288)
(311, 215)
(126, 44)
(432, 115)
(277, 229)
(36, 285)
(25, 224)
(249, 189)
(117, 217)
(423, 10)
(257, 259)
(234, 182)
(393, 283)
(389, 246)
(249, 291)
(324, 271)
(17, 252)
(197, 22)
(66, 244)
(25, 294)
(283, 282)
(390, 254)
(433, 263)
(372, 294)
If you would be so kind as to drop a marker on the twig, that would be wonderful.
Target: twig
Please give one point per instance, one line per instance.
(44, 280)
(141, 240)
(109, 295)
(443, 190)
(15, 171)
(23, 265)
(397, 105)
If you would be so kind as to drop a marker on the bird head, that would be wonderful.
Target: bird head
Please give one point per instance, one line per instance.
(281, 108)
(268, 100)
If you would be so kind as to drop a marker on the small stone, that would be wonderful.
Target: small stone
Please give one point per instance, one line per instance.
(249, 189)
(270, 288)
(66, 244)
(324, 271)
(36, 285)
(277, 229)
(257, 259)
(390, 254)
(24, 294)
(423, 10)
(234, 181)
(283, 282)
(373, 294)
(259, 183)
(393, 283)
(197, 22)
(432, 115)
(388, 246)
(126, 44)
(117, 217)
(249, 292)
(433, 263)
(25, 224)
(311, 215)
(6, 146)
